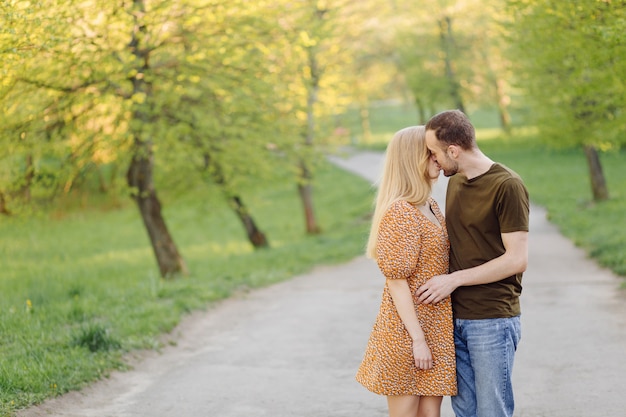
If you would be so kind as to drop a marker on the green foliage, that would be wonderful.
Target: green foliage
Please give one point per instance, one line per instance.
(80, 287)
(568, 58)
(450, 54)
(423, 68)
(193, 80)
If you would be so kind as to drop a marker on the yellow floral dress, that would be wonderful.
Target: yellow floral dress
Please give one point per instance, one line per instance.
(410, 247)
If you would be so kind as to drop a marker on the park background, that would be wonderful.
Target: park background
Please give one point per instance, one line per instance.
(159, 156)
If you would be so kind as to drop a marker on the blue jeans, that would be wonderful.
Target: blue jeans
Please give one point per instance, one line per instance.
(484, 361)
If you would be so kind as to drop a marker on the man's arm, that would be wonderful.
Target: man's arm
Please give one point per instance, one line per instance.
(514, 260)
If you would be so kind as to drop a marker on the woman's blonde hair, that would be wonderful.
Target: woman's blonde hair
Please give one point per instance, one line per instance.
(404, 177)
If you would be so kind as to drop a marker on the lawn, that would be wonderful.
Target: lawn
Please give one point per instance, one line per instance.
(80, 288)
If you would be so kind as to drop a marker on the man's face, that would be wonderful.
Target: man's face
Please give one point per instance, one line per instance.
(439, 155)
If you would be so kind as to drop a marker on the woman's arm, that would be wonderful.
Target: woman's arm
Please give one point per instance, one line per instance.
(397, 255)
(403, 300)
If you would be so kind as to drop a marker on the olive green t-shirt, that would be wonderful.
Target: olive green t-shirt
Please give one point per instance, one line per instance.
(477, 212)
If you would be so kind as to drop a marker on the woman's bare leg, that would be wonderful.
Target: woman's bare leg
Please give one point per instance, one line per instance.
(403, 405)
(429, 407)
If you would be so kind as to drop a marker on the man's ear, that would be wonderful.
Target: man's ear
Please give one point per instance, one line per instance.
(453, 151)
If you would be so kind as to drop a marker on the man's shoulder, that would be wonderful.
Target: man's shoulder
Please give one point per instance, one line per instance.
(504, 172)
(502, 177)
(497, 174)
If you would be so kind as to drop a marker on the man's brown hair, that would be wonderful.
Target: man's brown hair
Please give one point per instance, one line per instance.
(453, 127)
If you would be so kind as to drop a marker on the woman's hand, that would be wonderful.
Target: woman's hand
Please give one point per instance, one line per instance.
(422, 355)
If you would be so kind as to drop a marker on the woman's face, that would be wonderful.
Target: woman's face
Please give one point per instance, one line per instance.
(433, 168)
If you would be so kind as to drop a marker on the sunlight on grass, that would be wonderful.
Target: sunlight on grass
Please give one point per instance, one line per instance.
(486, 134)
(128, 256)
(219, 249)
(80, 291)
(379, 138)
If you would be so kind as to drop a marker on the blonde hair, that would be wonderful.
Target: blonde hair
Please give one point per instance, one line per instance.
(404, 177)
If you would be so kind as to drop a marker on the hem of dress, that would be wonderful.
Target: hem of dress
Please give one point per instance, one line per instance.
(448, 393)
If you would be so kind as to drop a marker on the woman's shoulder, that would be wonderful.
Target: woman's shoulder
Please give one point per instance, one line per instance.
(401, 205)
(400, 208)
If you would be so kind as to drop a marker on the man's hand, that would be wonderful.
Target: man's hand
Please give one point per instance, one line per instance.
(435, 289)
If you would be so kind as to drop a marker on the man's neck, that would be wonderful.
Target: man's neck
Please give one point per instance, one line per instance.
(474, 163)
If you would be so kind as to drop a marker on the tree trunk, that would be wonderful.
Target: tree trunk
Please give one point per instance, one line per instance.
(304, 182)
(421, 111)
(447, 44)
(139, 178)
(503, 110)
(139, 175)
(29, 174)
(255, 235)
(3, 205)
(598, 182)
(364, 115)
(306, 195)
(500, 95)
(102, 184)
(113, 175)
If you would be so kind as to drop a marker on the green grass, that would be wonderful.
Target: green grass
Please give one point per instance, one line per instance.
(81, 288)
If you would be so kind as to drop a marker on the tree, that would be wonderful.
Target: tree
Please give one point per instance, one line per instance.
(21, 38)
(569, 57)
(435, 45)
(126, 82)
(365, 35)
(491, 72)
(423, 71)
(143, 116)
(448, 54)
(227, 119)
(312, 88)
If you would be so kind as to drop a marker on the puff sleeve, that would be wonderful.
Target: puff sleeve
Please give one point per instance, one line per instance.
(397, 249)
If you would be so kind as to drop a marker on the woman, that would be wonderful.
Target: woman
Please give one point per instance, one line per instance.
(410, 353)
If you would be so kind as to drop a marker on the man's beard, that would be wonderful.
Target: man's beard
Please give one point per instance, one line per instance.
(448, 172)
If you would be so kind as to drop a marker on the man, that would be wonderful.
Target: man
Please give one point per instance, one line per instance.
(487, 213)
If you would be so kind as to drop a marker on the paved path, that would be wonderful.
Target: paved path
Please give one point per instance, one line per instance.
(291, 350)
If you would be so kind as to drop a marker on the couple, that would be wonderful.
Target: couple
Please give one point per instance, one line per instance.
(425, 343)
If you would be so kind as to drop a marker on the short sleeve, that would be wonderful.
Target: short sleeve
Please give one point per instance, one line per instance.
(513, 206)
(397, 250)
